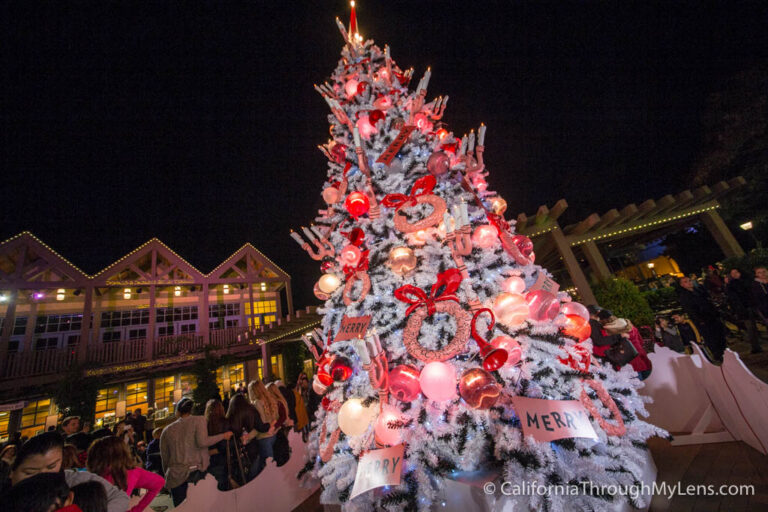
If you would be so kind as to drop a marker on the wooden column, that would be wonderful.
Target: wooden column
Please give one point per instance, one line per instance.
(596, 261)
(572, 265)
(8, 323)
(250, 301)
(289, 297)
(152, 322)
(722, 235)
(202, 316)
(96, 329)
(85, 328)
(29, 332)
(265, 362)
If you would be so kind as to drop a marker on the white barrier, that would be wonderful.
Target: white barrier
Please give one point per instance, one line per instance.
(275, 489)
(703, 403)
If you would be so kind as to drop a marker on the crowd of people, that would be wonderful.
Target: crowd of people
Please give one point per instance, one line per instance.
(116, 470)
(708, 303)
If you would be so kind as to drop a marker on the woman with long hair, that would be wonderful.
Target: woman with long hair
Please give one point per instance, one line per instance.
(217, 424)
(110, 458)
(267, 405)
(245, 421)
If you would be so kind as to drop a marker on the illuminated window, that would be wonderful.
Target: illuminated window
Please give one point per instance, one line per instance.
(268, 319)
(33, 417)
(188, 383)
(236, 374)
(276, 366)
(259, 368)
(106, 405)
(164, 387)
(254, 321)
(136, 396)
(5, 418)
(265, 306)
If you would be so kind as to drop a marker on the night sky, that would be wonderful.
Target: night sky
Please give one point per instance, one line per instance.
(198, 124)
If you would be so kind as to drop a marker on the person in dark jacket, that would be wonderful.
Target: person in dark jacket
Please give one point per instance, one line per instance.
(154, 460)
(600, 342)
(289, 399)
(760, 294)
(739, 295)
(695, 302)
(688, 331)
(669, 335)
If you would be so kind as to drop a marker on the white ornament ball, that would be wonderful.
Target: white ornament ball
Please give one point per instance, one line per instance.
(354, 419)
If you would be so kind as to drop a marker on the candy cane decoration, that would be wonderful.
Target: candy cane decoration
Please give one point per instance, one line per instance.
(374, 361)
(324, 247)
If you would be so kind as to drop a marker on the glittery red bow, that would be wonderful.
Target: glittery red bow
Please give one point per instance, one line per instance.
(499, 222)
(362, 265)
(416, 297)
(422, 187)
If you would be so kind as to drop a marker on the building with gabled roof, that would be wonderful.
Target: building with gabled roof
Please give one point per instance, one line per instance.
(139, 324)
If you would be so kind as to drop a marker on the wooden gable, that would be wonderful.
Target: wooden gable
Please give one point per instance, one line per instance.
(248, 264)
(27, 262)
(151, 263)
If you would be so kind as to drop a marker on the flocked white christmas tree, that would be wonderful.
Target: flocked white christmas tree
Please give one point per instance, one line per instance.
(462, 320)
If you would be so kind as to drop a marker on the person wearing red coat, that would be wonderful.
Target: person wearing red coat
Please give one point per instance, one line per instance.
(621, 326)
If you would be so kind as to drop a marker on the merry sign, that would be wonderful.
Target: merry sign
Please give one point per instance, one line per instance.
(548, 420)
(545, 283)
(352, 327)
(379, 468)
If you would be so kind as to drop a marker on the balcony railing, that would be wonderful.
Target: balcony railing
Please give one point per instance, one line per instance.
(117, 352)
(178, 344)
(39, 362)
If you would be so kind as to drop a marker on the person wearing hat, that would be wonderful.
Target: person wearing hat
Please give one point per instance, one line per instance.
(184, 449)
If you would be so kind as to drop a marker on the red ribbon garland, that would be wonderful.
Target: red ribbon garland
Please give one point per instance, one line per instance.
(423, 186)
(416, 297)
(498, 221)
(362, 266)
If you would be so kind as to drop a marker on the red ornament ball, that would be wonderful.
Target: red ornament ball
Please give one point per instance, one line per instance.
(374, 116)
(478, 388)
(438, 163)
(340, 369)
(357, 204)
(404, 382)
(361, 87)
(339, 152)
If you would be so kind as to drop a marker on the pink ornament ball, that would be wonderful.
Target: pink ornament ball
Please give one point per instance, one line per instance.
(574, 308)
(510, 309)
(485, 236)
(384, 434)
(350, 256)
(364, 127)
(404, 382)
(524, 245)
(438, 163)
(577, 327)
(383, 102)
(438, 381)
(351, 87)
(543, 305)
(514, 352)
(513, 284)
(422, 123)
(478, 388)
(331, 195)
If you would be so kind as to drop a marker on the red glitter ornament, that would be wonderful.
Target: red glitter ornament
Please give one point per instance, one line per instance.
(340, 369)
(361, 87)
(357, 204)
(374, 116)
(524, 245)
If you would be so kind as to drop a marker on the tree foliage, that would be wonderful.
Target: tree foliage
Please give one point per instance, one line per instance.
(294, 355)
(625, 300)
(205, 372)
(75, 394)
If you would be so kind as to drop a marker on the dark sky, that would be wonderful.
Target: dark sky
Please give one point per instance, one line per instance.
(197, 123)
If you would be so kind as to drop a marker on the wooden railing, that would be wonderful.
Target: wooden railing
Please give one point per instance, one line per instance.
(178, 344)
(223, 338)
(39, 362)
(117, 352)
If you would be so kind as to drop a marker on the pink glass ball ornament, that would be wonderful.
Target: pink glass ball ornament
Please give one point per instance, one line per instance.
(383, 102)
(350, 255)
(498, 205)
(404, 383)
(514, 351)
(422, 123)
(524, 245)
(543, 305)
(510, 309)
(354, 418)
(350, 88)
(331, 195)
(328, 283)
(364, 127)
(319, 293)
(577, 327)
(438, 381)
(514, 284)
(574, 308)
(478, 388)
(384, 434)
(402, 260)
(485, 236)
(438, 163)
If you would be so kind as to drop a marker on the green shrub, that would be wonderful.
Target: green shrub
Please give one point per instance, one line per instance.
(625, 300)
(756, 257)
(661, 298)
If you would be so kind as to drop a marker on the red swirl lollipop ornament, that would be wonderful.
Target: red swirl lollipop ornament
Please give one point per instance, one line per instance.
(493, 358)
(421, 193)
